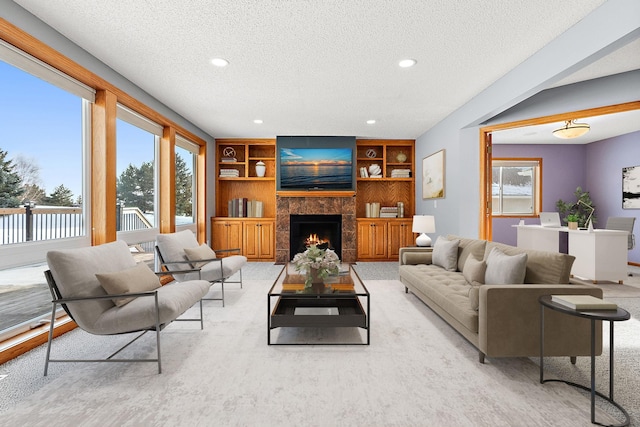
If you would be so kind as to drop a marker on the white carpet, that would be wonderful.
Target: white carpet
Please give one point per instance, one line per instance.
(416, 372)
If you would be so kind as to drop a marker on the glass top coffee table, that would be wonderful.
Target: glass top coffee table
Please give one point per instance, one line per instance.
(342, 301)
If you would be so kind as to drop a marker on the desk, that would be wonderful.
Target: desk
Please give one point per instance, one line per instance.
(539, 238)
(600, 254)
(611, 316)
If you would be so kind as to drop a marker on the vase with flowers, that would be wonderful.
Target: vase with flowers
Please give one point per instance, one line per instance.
(317, 264)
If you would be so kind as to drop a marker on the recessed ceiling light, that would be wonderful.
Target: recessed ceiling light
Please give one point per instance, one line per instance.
(371, 122)
(406, 63)
(219, 62)
(257, 121)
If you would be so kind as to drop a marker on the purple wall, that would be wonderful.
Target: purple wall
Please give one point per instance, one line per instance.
(604, 163)
(562, 171)
(595, 167)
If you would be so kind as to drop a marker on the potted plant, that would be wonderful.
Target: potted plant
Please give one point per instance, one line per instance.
(572, 221)
(581, 208)
(317, 264)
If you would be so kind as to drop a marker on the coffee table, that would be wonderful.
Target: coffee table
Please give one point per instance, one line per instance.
(342, 301)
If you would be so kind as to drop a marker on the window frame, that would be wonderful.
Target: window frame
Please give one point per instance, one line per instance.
(34, 252)
(536, 163)
(125, 114)
(194, 149)
(98, 172)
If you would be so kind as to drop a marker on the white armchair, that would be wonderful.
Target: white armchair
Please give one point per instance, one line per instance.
(106, 293)
(185, 259)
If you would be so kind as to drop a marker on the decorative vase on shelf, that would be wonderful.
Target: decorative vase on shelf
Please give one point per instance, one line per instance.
(401, 157)
(261, 168)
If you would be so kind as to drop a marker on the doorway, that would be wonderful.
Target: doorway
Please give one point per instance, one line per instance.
(486, 148)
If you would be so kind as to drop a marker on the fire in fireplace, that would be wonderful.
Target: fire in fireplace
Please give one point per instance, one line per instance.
(313, 239)
(325, 231)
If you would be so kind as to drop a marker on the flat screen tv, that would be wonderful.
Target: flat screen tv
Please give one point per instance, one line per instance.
(316, 164)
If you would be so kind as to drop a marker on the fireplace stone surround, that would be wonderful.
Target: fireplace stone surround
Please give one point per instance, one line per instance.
(344, 206)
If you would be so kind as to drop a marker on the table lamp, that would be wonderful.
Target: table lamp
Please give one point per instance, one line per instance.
(588, 223)
(424, 224)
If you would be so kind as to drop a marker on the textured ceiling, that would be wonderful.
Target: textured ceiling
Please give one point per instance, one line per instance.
(314, 67)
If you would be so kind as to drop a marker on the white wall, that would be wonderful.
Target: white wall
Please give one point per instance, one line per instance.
(608, 28)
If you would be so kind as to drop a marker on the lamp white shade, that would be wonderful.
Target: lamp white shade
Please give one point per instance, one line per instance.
(423, 224)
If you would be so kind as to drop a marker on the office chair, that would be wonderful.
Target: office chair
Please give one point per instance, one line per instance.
(624, 224)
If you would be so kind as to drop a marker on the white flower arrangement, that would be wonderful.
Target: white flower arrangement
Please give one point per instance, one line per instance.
(325, 261)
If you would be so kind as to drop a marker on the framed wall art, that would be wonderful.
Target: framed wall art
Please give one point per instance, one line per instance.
(433, 176)
(631, 187)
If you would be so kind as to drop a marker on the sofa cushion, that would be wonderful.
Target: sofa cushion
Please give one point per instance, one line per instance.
(447, 289)
(468, 247)
(503, 269)
(445, 253)
(474, 271)
(131, 280)
(172, 246)
(201, 252)
(173, 299)
(542, 267)
(74, 271)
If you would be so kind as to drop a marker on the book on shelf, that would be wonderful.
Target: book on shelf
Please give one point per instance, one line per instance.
(228, 159)
(364, 173)
(234, 173)
(584, 302)
(401, 173)
(389, 212)
(243, 208)
(372, 210)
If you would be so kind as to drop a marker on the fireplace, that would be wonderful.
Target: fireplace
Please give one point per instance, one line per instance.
(323, 230)
(316, 205)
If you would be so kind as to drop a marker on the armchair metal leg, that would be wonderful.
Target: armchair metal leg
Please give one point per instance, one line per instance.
(53, 318)
(158, 334)
(222, 288)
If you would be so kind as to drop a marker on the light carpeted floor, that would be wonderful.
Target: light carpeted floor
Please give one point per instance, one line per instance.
(417, 372)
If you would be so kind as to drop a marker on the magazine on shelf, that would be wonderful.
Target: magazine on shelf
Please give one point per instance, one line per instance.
(584, 302)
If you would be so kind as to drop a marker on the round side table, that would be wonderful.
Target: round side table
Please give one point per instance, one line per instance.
(611, 316)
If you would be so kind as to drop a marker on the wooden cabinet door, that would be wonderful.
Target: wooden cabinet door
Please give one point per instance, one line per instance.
(259, 240)
(251, 241)
(372, 240)
(234, 235)
(219, 234)
(400, 235)
(380, 240)
(226, 234)
(267, 239)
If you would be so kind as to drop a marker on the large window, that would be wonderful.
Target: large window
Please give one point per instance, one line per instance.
(44, 118)
(137, 140)
(516, 187)
(186, 162)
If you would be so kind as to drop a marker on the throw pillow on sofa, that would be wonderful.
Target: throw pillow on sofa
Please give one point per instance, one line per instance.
(503, 269)
(199, 253)
(445, 253)
(132, 280)
(473, 272)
